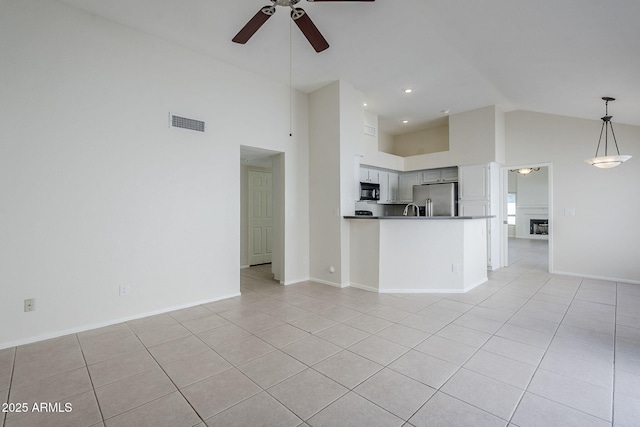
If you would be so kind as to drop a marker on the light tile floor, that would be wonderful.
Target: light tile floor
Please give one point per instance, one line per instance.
(525, 349)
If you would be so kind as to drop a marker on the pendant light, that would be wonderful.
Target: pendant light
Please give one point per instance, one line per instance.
(607, 161)
(525, 171)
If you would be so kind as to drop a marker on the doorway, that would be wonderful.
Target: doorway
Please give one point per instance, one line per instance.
(527, 211)
(260, 226)
(262, 210)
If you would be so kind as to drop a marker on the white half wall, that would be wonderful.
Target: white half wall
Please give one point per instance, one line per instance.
(425, 141)
(96, 191)
(473, 139)
(601, 239)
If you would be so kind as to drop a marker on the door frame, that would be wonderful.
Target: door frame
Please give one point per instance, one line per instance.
(504, 190)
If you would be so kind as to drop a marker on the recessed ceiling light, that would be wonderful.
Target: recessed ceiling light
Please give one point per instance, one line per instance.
(408, 90)
(405, 121)
(365, 104)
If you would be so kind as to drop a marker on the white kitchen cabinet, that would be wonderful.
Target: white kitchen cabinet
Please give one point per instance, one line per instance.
(388, 187)
(393, 187)
(474, 183)
(435, 176)
(431, 176)
(369, 175)
(406, 181)
(384, 186)
(450, 174)
(473, 208)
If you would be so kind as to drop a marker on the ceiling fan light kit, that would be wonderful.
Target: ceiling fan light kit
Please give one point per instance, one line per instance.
(298, 15)
(606, 161)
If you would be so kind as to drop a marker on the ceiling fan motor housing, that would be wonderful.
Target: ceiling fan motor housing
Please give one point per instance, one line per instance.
(286, 2)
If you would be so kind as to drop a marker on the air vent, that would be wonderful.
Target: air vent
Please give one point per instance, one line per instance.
(370, 130)
(186, 123)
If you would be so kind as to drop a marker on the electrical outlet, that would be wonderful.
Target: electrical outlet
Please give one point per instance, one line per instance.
(455, 268)
(124, 290)
(29, 304)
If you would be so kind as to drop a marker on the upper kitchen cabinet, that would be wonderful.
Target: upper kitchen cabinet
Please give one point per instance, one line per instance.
(435, 176)
(369, 175)
(388, 187)
(394, 186)
(474, 183)
(406, 182)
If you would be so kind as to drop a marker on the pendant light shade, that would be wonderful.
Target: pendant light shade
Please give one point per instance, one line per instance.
(606, 161)
(525, 171)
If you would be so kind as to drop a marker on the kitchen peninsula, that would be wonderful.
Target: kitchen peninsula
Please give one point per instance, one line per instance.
(417, 254)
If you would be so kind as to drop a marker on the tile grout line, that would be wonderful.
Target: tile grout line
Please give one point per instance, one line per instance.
(476, 352)
(504, 323)
(171, 379)
(545, 350)
(93, 387)
(238, 370)
(150, 355)
(545, 353)
(13, 368)
(349, 390)
(439, 389)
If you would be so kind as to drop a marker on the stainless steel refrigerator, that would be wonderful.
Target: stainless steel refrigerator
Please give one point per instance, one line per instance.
(444, 198)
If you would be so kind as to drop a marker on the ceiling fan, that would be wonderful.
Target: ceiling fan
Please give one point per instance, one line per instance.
(299, 16)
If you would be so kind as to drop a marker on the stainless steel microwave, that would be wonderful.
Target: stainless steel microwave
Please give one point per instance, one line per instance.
(369, 191)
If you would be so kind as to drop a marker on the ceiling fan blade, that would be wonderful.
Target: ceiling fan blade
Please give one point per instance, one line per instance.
(313, 1)
(309, 29)
(254, 24)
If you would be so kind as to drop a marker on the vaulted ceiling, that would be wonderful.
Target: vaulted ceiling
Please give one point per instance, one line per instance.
(557, 57)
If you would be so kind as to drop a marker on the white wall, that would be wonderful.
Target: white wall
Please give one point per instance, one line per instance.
(324, 185)
(601, 239)
(532, 201)
(533, 189)
(425, 141)
(375, 150)
(472, 141)
(385, 142)
(97, 191)
(335, 139)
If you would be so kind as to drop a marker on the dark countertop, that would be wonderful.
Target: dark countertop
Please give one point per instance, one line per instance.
(416, 218)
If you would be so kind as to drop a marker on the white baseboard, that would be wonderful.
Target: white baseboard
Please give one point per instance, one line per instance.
(293, 282)
(475, 285)
(418, 291)
(84, 328)
(363, 287)
(326, 282)
(588, 276)
(242, 267)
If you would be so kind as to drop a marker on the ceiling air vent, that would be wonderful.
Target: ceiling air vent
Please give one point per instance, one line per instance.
(186, 123)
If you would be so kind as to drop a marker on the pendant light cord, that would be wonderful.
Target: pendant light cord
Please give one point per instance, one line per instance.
(290, 78)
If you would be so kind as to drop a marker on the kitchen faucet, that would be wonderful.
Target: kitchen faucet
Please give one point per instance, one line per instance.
(416, 209)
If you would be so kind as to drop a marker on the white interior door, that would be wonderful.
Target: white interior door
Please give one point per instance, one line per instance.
(260, 217)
